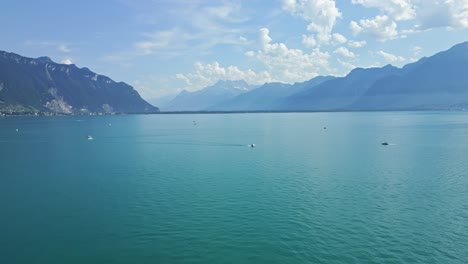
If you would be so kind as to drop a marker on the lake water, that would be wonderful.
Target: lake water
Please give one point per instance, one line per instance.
(159, 189)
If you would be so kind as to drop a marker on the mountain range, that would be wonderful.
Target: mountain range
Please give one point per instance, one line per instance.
(439, 82)
(267, 97)
(436, 82)
(39, 85)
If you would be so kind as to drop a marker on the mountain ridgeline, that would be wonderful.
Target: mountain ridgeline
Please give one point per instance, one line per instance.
(439, 82)
(29, 85)
(268, 96)
(218, 93)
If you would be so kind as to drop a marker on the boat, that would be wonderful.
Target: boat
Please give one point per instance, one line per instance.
(385, 144)
(89, 137)
(252, 145)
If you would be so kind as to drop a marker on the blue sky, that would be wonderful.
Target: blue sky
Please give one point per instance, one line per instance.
(162, 46)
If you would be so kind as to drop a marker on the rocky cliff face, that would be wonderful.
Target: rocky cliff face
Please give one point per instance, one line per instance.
(41, 85)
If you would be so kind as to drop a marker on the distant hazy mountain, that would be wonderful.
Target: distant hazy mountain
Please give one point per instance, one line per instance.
(32, 85)
(338, 93)
(207, 97)
(163, 101)
(437, 82)
(268, 96)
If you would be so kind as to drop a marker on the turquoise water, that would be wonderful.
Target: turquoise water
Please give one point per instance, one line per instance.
(157, 189)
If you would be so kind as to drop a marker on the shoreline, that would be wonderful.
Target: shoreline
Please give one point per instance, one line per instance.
(42, 114)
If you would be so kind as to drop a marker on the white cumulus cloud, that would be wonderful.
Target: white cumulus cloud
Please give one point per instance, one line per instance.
(249, 53)
(290, 65)
(264, 37)
(424, 15)
(320, 14)
(390, 57)
(356, 44)
(344, 52)
(355, 28)
(281, 63)
(309, 41)
(451, 14)
(382, 28)
(396, 9)
(338, 38)
(205, 74)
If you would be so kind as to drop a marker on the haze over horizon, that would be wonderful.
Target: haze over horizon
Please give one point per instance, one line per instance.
(163, 47)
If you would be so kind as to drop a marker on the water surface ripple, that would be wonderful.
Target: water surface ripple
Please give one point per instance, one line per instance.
(157, 189)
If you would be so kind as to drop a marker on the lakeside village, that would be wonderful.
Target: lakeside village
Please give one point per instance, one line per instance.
(24, 111)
